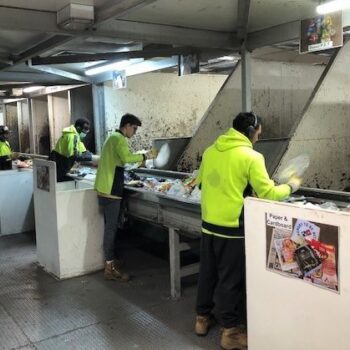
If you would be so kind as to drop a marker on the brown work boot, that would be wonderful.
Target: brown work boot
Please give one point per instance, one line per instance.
(113, 272)
(233, 338)
(203, 324)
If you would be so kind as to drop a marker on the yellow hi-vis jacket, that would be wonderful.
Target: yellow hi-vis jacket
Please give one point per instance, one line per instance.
(5, 149)
(227, 167)
(69, 144)
(110, 172)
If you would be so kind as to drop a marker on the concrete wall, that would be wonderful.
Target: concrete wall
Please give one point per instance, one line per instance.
(40, 122)
(11, 120)
(81, 107)
(24, 125)
(168, 105)
(59, 114)
(280, 91)
(323, 132)
(2, 107)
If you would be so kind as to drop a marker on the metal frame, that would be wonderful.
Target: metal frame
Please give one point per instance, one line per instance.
(181, 218)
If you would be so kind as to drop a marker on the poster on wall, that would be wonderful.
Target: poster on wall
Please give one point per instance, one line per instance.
(43, 178)
(321, 33)
(119, 80)
(303, 249)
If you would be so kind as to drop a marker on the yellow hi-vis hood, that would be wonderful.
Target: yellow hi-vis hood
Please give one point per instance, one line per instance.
(69, 144)
(227, 167)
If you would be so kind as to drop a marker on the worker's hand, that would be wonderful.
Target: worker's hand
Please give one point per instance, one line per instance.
(14, 155)
(152, 153)
(295, 182)
(95, 159)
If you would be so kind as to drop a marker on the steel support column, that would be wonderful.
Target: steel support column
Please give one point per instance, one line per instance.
(246, 81)
(175, 263)
(98, 101)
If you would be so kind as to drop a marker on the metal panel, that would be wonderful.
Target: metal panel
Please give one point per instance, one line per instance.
(182, 219)
(16, 206)
(176, 145)
(273, 151)
(144, 210)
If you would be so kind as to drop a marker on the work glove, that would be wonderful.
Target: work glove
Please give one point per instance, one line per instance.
(95, 159)
(294, 183)
(152, 153)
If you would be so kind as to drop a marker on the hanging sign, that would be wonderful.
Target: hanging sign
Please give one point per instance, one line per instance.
(321, 33)
(119, 79)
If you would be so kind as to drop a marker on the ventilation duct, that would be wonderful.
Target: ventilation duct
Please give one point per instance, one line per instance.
(75, 16)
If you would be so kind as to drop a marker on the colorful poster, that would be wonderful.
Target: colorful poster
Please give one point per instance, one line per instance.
(321, 33)
(304, 250)
(119, 80)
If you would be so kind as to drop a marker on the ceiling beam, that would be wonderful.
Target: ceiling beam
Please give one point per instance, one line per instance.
(139, 68)
(166, 52)
(40, 48)
(170, 35)
(274, 35)
(37, 21)
(118, 8)
(24, 85)
(33, 77)
(29, 20)
(60, 72)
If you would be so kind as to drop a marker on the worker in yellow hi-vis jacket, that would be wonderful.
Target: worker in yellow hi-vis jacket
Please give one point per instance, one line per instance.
(70, 148)
(230, 169)
(5, 149)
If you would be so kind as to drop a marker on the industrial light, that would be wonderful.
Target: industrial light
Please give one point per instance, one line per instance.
(227, 58)
(333, 6)
(32, 89)
(108, 67)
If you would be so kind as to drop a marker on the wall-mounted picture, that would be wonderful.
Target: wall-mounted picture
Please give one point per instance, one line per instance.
(307, 251)
(119, 79)
(321, 33)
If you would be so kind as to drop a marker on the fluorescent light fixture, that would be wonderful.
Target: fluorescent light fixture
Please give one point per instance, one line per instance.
(32, 89)
(108, 67)
(333, 6)
(226, 58)
(151, 65)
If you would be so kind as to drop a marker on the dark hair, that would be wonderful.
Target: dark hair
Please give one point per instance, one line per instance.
(244, 120)
(129, 119)
(81, 122)
(4, 130)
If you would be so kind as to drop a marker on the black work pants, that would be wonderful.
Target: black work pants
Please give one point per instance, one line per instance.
(111, 209)
(222, 279)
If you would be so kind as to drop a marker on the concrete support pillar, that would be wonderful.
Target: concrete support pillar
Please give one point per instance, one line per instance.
(98, 99)
(246, 81)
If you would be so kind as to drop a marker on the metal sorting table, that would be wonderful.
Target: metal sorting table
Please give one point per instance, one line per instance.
(180, 216)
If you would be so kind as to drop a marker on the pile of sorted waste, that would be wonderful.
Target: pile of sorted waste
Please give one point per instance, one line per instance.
(182, 189)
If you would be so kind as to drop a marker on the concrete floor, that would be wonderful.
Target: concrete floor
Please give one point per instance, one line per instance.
(39, 312)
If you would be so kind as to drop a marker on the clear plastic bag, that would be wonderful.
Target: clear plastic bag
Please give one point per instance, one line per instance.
(162, 157)
(177, 189)
(295, 166)
(329, 206)
(195, 195)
